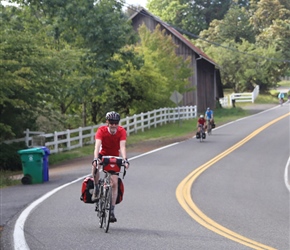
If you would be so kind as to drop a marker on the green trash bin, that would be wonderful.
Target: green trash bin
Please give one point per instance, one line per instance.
(32, 165)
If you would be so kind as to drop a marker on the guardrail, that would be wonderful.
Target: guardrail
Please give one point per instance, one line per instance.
(75, 138)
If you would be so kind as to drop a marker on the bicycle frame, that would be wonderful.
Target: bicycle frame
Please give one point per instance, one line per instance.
(208, 123)
(104, 205)
(105, 202)
(201, 131)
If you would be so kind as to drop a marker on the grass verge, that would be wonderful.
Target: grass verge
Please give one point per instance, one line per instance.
(166, 131)
(6, 178)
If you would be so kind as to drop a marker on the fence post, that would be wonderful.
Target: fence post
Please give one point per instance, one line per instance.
(149, 119)
(142, 122)
(81, 136)
(68, 138)
(135, 123)
(55, 145)
(92, 135)
(128, 125)
(27, 137)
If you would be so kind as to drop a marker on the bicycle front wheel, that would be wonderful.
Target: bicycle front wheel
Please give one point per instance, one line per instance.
(209, 127)
(107, 208)
(101, 208)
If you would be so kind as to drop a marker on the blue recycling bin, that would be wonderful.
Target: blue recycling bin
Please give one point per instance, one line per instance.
(45, 163)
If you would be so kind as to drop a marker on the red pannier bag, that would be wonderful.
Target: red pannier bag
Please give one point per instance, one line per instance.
(111, 164)
(87, 190)
(120, 191)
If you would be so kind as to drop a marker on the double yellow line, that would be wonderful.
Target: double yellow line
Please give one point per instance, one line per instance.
(183, 194)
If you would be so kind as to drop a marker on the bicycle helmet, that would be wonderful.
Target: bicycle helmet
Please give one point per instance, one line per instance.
(201, 116)
(113, 116)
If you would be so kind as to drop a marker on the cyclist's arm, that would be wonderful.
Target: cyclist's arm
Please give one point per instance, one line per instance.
(124, 152)
(123, 149)
(97, 148)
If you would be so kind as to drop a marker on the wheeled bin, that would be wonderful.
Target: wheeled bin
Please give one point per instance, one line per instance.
(45, 163)
(32, 165)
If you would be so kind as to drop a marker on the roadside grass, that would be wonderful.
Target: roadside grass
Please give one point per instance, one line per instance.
(284, 84)
(6, 178)
(166, 131)
(266, 98)
(171, 130)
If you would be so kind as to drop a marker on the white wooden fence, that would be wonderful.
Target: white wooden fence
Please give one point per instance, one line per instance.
(75, 138)
(240, 97)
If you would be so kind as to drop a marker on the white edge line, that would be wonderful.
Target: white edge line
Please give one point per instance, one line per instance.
(18, 235)
(286, 180)
(153, 151)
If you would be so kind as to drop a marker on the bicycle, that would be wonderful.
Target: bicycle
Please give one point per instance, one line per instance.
(201, 134)
(281, 101)
(209, 127)
(110, 165)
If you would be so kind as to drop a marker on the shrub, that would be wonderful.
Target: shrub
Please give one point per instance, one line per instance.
(9, 158)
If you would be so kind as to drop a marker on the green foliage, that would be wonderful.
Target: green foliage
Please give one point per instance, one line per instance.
(163, 70)
(254, 46)
(64, 64)
(9, 158)
(191, 16)
(22, 60)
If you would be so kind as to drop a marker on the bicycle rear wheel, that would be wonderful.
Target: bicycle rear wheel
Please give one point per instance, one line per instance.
(107, 208)
(209, 127)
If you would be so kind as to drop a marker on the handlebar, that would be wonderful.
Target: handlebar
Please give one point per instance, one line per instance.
(113, 160)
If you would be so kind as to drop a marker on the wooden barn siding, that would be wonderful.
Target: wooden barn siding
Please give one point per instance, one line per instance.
(203, 94)
(189, 98)
(205, 85)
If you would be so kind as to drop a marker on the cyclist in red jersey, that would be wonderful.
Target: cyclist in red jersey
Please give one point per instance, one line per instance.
(110, 140)
(201, 123)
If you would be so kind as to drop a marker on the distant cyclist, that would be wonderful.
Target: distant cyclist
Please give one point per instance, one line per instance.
(201, 123)
(209, 116)
(281, 98)
(110, 141)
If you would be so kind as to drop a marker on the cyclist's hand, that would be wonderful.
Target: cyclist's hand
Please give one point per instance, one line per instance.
(126, 163)
(96, 162)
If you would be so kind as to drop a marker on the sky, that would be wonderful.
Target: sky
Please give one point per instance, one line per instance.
(137, 2)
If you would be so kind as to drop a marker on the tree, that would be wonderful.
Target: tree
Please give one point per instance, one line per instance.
(22, 64)
(100, 28)
(151, 72)
(244, 65)
(189, 16)
(235, 26)
(158, 50)
(256, 56)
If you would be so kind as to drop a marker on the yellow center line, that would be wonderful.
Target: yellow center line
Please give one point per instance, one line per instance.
(183, 194)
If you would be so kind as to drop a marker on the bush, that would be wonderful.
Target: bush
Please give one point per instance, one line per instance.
(9, 158)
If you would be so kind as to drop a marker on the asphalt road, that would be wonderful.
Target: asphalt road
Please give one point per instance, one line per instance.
(243, 191)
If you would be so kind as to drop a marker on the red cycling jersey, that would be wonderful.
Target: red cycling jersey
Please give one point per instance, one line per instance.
(110, 143)
(201, 121)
